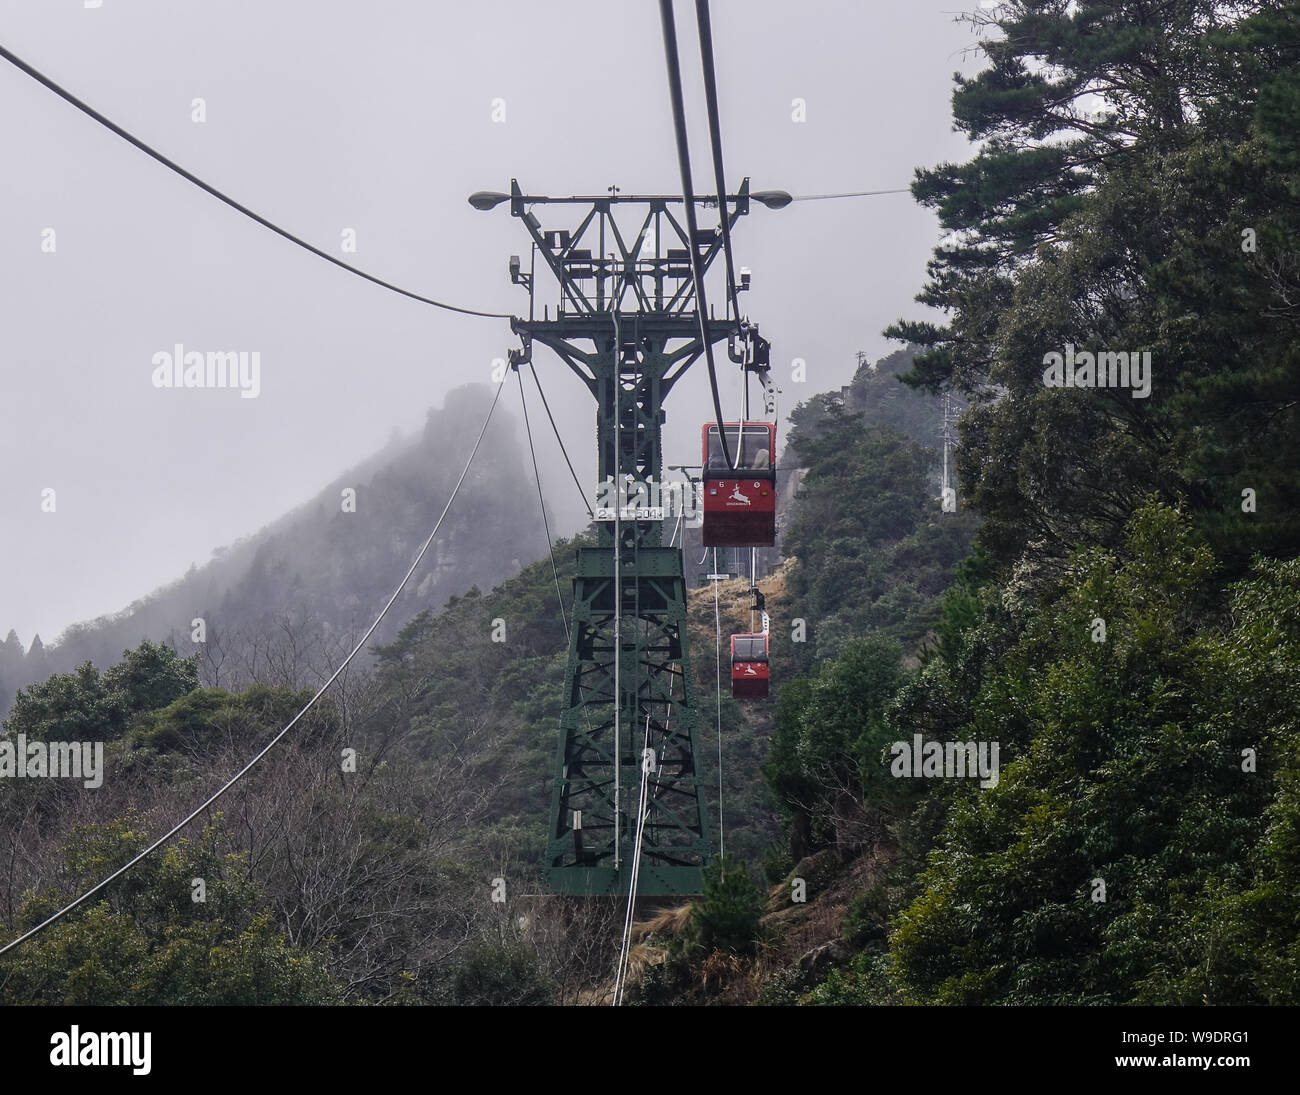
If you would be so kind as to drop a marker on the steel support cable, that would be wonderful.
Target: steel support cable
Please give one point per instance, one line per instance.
(753, 585)
(744, 409)
(717, 628)
(753, 552)
(576, 481)
(618, 595)
(643, 811)
(546, 524)
(688, 197)
(715, 142)
(550, 547)
(647, 801)
(643, 814)
(90, 111)
(291, 723)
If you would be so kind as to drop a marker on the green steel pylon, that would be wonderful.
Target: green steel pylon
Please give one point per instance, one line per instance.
(626, 324)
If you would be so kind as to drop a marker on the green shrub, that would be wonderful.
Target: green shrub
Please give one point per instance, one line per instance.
(729, 917)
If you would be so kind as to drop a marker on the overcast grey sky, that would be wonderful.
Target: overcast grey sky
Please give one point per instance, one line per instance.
(325, 115)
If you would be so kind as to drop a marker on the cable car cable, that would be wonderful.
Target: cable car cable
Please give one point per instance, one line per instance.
(565, 452)
(717, 647)
(618, 600)
(550, 547)
(643, 811)
(90, 111)
(647, 801)
(546, 524)
(715, 142)
(688, 196)
(290, 724)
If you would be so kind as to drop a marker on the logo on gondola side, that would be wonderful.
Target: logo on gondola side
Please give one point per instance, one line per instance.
(736, 496)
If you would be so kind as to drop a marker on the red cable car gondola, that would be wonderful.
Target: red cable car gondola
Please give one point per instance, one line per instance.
(749, 666)
(740, 503)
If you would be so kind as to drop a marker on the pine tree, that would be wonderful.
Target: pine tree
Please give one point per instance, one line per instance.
(1123, 229)
(729, 916)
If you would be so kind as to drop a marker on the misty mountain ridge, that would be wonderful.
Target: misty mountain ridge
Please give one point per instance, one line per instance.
(283, 601)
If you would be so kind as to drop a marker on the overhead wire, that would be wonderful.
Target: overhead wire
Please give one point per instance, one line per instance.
(688, 196)
(643, 812)
(705, 26)
(550, 546)
(565, 452)
(717, 630)
(91, 112)
(618, 602)
(541, 501)
(289, 725)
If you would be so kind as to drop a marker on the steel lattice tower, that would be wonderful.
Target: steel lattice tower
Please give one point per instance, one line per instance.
(627, 325)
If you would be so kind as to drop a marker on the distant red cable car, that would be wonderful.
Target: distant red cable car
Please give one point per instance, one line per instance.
(749, 666)
(740, 503)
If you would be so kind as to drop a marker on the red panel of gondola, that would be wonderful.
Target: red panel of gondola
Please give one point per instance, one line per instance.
(740, 503)
(749, 666)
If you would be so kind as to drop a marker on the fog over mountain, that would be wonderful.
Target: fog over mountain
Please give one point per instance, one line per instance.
(305, 587)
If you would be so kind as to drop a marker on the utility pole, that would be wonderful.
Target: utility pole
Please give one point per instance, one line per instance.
(626, 324)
